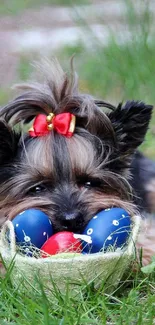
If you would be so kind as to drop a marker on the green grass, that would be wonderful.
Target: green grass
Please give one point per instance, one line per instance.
(132, 303)
(15, 7)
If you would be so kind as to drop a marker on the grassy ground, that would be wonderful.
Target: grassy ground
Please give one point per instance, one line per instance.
(133, 303)
(116, 73)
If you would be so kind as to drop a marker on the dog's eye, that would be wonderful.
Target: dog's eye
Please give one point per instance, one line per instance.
(37, 189)
(89, 183)
(92, 183)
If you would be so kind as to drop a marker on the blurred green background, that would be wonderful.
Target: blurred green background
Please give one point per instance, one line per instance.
(116, 71)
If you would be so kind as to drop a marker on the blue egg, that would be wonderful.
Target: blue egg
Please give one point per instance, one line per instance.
(109, 227)
(32, 228)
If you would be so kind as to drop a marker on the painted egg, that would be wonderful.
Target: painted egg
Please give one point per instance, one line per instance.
(63, 241)
(109, 227)
(32, 228)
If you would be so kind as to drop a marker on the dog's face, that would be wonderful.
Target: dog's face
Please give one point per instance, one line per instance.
(73, 178)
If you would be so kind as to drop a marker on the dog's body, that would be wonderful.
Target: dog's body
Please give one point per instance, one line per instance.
(143, 182)
(70, 178)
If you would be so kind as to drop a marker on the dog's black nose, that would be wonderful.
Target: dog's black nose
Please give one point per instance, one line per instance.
(72, 221)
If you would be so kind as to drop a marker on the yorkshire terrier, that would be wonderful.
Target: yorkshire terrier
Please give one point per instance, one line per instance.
(75, 159)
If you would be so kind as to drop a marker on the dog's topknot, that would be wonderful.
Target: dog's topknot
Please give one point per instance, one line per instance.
(116, 132)
(58, 93)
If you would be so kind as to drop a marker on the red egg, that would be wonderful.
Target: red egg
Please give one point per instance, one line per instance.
(63, 241)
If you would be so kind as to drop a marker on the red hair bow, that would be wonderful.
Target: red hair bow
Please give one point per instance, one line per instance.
(63, 123)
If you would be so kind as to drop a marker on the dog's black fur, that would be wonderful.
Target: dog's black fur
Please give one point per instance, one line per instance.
(69, 179)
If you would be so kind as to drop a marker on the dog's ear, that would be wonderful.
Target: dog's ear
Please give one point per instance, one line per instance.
(8, 143)
(130, 122)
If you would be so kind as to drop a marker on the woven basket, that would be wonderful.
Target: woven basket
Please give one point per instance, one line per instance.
(67, 269)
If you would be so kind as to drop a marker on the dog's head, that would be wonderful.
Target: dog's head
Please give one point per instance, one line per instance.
(68, 178)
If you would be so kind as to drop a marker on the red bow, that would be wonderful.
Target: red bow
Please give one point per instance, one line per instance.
(63, 123)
